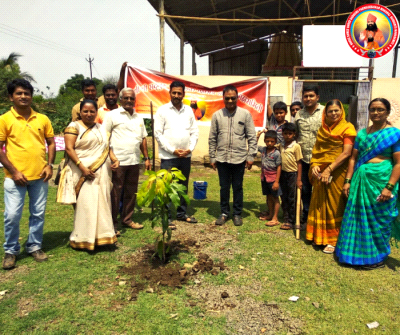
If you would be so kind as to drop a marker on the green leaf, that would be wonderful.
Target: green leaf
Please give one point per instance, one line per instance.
(178, 174)
(175, 199)
(179, 188)
(164, 221)
(160, 249)
(160, 187)
(149, 173)
(161, 173)
(167, 178)
(169, 234)
(185, 196)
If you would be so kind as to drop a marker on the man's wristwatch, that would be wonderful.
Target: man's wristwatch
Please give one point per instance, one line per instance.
(51, 165)
(146, 158)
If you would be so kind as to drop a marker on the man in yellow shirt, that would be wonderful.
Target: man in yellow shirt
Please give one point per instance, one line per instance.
(24, 133)
(89, 91)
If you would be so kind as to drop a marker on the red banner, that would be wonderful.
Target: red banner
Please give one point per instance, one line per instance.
(154, 86)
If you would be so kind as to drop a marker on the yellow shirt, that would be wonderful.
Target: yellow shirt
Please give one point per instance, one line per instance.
(25, 141)
(290, 156)
(76, 109)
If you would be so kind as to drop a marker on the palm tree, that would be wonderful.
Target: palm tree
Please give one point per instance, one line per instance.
(10, 67)
(10, 70)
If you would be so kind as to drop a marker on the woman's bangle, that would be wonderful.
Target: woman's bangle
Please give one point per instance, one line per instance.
(329, 167)
(347, 181)
(389, 186)
(77, 163)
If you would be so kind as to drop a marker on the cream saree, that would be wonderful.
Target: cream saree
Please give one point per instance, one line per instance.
(93, 223)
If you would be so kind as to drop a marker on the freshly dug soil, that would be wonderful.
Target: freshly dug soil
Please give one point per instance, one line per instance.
(244, 314)
(149, 272)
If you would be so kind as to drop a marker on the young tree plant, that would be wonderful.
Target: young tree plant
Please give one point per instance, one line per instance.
(160, 189)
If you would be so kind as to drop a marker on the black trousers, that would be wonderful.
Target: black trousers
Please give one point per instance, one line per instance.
(182, 164)
(288, 182)
(231, 174)
(306, 190)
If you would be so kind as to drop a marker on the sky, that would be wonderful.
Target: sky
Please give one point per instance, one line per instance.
(110, 31)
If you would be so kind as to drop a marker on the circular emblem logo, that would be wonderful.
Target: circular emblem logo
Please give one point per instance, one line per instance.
(372, 31)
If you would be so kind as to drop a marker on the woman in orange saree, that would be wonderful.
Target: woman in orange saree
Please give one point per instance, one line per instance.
(330, 156)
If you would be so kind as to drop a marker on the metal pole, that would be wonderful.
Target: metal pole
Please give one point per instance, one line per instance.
(194, 69)
(182, 55)
(90, 60)
(162, 38)
(396, 53)
(371, 61)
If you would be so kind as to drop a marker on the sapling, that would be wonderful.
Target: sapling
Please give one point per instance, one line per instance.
(159, 190)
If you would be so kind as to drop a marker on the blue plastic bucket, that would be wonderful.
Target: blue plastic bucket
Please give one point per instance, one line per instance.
(199, 190)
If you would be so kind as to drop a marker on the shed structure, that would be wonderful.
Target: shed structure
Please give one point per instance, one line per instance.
(238, 35)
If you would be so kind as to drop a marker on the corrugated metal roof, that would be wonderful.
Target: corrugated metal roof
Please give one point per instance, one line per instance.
(208, 36)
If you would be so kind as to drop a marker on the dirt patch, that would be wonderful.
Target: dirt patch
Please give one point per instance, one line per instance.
(209, 238)
(25, 306)
(10, 274)
(244, 314)
(148, 272)
(240, 305)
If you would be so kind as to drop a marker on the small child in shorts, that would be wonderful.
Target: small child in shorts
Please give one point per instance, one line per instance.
(270, 174)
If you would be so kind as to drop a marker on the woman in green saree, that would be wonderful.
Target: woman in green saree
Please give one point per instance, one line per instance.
(371, 186)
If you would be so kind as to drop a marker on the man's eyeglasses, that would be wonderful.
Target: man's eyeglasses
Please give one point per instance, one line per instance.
(230, 98)
(128, 98)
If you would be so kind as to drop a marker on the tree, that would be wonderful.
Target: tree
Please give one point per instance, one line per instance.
(10, 70)
(110, 80)
(75, 82)
(160, 189)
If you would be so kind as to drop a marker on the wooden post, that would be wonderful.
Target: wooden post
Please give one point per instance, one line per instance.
(152, 135)
(162, 37)
(298, 214)
(154, 148)
(182, 54)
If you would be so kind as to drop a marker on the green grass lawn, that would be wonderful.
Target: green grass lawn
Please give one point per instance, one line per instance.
(78, 292)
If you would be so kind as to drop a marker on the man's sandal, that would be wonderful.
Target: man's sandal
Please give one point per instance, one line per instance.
(171, 225)
(264, 216)
(286, 226)
(272, 223)
(134, 225)
(187, 218)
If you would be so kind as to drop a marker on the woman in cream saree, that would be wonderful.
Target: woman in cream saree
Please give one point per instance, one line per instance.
(85, 181)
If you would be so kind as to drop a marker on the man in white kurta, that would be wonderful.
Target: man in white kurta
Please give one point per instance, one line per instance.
(128, 138)
(177, 133)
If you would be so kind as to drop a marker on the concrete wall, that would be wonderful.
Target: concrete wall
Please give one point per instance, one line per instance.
(280, 86)
(389, 88)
